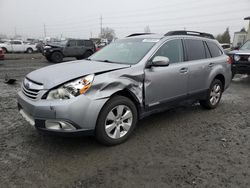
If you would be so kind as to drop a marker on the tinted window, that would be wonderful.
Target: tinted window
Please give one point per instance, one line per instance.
(16, 42)
(208, 54)
(80, 43)
(214, 49)
(88, 43)
(72, 43)
(225, 46)
(195, 49)
(173, 50)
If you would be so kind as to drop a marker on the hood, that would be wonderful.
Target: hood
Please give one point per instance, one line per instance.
(55, 45)
(55, 75)
(239, 52)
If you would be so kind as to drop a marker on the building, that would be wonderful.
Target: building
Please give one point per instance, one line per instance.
(239, 38)
(248, 31)
(242, 36)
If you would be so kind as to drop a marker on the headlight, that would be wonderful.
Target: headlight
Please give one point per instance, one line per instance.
(249, 59)
(236, 57)
(72, 89)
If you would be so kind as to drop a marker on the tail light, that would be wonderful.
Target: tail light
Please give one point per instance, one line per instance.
(229, 60)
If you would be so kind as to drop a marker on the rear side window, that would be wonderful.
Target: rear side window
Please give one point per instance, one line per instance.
(208, 54)
(88, 43)
(80, 43)
(195, 49)
(173, 50)
(214, 49)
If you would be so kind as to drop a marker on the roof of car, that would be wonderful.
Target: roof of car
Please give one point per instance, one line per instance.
(172, 34)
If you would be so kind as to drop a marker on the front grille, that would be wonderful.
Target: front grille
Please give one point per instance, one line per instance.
(31, 93)
(244, 58)
(31, 89)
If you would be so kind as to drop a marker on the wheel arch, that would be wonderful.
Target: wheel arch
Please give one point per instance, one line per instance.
(221, 78)
(130, 95)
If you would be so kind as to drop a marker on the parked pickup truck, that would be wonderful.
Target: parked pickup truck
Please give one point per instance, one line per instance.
(17, 46)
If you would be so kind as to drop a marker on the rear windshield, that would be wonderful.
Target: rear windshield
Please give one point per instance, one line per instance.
(125, 51)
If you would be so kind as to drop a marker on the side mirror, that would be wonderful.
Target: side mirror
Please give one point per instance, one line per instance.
(160, 61)
(68, 45)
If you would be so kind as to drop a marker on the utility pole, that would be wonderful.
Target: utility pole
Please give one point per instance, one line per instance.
(101, 25)
(15, 31)
(44, 30)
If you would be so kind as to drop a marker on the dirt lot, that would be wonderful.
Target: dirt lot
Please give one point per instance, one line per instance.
(184, 147)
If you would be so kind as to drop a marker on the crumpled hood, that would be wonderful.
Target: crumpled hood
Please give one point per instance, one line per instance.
(55, 75)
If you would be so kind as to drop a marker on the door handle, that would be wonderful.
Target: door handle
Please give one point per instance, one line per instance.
(211, 65)
(183, 70)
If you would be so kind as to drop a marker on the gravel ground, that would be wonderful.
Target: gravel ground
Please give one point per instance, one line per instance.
(184, 147)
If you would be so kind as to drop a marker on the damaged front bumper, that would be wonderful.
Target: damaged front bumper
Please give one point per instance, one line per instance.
(64, 117)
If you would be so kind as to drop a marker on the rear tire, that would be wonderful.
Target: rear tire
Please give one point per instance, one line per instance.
(87, 54)
(116, 121)
(213, 96)
(29, 50)
(56, 57)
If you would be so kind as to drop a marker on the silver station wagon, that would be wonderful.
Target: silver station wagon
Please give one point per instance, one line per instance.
(106, 94)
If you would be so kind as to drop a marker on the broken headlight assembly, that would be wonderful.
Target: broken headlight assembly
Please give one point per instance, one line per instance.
(72, 89)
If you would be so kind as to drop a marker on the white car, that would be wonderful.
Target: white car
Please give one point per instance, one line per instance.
(226, 47)
(18, 46)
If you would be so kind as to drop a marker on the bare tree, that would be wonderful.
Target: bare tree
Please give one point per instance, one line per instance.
(108, 33)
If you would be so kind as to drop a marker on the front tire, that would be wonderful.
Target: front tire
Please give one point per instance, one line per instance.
(116, 121)
(56, 57)
(213, 96)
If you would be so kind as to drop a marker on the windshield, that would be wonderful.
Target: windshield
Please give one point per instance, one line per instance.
(125, 51)
(246, 46)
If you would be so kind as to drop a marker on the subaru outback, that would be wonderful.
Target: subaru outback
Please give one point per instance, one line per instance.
(106, 94)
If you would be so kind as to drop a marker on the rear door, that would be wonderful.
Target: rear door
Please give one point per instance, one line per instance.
(81, 49)
(167, 83)
(199, 65)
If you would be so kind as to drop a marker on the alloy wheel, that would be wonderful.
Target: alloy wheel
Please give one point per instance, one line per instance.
(118, 121)
(215, 94)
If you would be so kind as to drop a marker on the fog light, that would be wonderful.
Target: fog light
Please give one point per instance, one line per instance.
(59, 125)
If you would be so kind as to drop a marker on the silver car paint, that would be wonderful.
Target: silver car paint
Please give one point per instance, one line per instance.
(158, 83)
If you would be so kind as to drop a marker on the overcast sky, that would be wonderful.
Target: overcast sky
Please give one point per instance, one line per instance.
(81, 18)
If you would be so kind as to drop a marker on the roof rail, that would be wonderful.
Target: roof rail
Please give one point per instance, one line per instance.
(138, 34)
(192, 33)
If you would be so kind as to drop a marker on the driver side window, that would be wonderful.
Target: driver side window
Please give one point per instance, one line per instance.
(173, 50)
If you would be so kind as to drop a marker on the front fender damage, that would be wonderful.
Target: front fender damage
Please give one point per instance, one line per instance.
(107, 86)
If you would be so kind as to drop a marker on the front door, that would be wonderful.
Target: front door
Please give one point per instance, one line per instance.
(167, 83)
(71, 49)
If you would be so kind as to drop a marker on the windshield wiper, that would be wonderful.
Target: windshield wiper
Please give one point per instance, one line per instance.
(106, 61)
